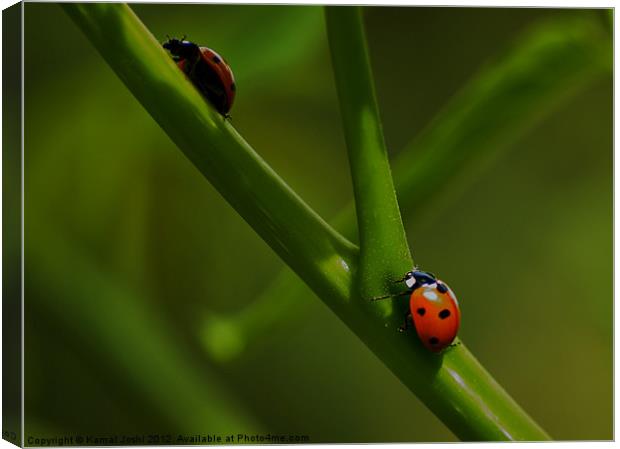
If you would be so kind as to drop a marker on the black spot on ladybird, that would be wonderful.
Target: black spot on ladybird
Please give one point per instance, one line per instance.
(445, 313)
(421, 311)
(433, 340)
(233, 87)
(216, 59)
(442, 288)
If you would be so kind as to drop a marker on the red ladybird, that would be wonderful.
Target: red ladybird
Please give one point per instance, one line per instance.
(207, 70)
(434, 308)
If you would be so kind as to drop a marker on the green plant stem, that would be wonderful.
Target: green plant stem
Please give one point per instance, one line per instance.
(453, 385)
(293, 230)
(547, 66)
(384, 252)
(551, 63)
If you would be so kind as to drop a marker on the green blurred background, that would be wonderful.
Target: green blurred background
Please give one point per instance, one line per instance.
(131, 255)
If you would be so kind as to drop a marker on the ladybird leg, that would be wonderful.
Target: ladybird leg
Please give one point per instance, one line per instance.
(379, 298)
(405, 326)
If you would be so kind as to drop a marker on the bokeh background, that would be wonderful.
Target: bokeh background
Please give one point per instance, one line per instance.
(133, 259)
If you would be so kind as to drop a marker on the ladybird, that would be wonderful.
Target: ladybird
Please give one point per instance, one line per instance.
(207, 70)
(434, 309)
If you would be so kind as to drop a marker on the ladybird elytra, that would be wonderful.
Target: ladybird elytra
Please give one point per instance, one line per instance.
(207, 70)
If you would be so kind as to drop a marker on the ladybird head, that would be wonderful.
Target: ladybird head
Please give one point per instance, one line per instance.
(417, 278)
(180, 47)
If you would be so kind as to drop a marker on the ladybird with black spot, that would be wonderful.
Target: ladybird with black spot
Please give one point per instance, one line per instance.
(207, 70)
(434, 309)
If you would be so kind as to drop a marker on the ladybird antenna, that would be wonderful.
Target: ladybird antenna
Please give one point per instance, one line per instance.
(184, 36)
(380, 298)
(395, 295)
(398, 281)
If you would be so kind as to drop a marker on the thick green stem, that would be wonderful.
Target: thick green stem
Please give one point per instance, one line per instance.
(384, 252)
(551, 63)
(453, 384)
(303, 239)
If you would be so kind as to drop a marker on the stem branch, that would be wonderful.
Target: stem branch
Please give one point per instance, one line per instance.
(384, 252)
